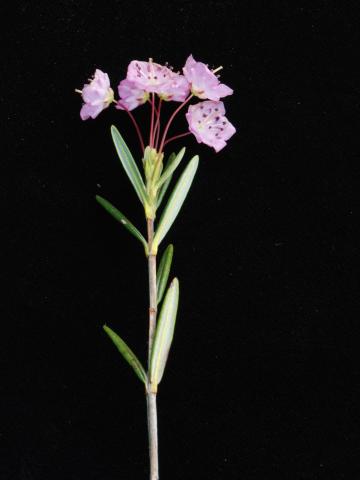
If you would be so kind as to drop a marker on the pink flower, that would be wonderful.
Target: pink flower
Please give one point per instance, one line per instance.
(130, 95)
(149, 76)
(97, 95)
(155, 78)
(208, 123)
(204, 83)
(177, 88)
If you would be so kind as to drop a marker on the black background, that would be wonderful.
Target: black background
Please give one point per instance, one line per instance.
(263, 377)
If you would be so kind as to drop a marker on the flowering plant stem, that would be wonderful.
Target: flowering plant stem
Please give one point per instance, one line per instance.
(151, 389)
(147, 82)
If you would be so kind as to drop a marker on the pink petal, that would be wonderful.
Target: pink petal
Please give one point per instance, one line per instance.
(97, 95)
(130, 95)
(90, 111)
(204, 83)
(208, 123)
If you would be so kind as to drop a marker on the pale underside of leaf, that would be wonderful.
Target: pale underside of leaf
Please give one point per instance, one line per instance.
(172, 164)
(164, 333)
(162, 191)
(175, 201)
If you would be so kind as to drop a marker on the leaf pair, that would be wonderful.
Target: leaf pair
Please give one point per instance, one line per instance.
(176, 199)
(175, 202)
(167, 317)
(162, 342)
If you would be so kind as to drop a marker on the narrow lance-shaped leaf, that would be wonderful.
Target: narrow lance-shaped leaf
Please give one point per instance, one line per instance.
(162, 191)
(125, 351)
(164, 333)
(114, 212)
(175, 202)
(172, 164)
(163, 271)
(129, 164)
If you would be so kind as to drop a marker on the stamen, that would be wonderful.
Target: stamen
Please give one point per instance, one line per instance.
(78, 91)
(218, 69)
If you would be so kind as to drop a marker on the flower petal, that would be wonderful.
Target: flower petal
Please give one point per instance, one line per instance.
(97, 95)
(208, 123)
(204, 83)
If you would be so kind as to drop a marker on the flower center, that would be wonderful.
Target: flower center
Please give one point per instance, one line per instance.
(152, 73)
(212, 120)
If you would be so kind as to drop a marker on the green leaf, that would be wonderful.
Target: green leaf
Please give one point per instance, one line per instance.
(164, 333)
(125, 351)
(163, 271)
(162, 191)
(129, 164)
(171, 166)
(175, 202)
(114, 212)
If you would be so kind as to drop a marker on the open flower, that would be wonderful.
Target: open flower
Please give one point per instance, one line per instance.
(131, 96)
(204, 83)
(155, 78)
(177, 88)
(149, 76)
(97, 95)
(208, 123)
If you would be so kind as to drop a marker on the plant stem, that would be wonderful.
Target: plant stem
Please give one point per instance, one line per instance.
(151, 390)
(171, 120)
(153, 435)
(176, 137)
(152, 286)
(151, 139)
(157, 125)
(137, 128)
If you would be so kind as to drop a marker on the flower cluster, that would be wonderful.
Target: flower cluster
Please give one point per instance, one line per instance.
(147, 80)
